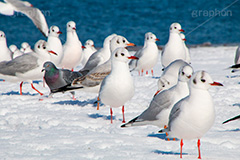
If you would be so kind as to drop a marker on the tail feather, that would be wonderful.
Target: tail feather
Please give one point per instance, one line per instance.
(232, 119)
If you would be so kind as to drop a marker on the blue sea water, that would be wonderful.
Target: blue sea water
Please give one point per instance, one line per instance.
(202, 20)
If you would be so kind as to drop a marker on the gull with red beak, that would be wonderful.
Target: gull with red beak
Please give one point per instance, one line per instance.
(28, 66)
(11, 6)
(117, 88)
(148, 55)
(174, 49)
(55, 45)
(88, 50)
(193, 116)
(158, 111)
(72, 49)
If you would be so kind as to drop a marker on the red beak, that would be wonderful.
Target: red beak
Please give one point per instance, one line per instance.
(133, 57)
(157, 39)
(59, 32)
(189, 76)
(83, 47)
(131, 44)
(184, 39)
(181, 30)
(52, 52)
(157, 92)
(216, 84)
(74, 28)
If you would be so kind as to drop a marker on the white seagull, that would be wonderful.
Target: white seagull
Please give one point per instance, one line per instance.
(193, 116)
(10, 6)
(6, 54)
(26, 67)
(88, 50)
(72, 49)
(148, 55)
(158, 111)
(169, 76)
(25, 48)
(15, 51)
(174, 49)
(55, 45)
(99, 57)
(117, 88)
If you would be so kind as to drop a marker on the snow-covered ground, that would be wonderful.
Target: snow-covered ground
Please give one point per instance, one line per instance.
(60, 128)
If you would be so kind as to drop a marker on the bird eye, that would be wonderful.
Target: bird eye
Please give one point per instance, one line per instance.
(39, 46)
(147, 38)
(183, 73)
(124, 41)
(170, 28)
(163, 85)
(116, 55)
(53, 30)
(203, 80)
(175, 27)
(122, 54)
(118, 42)
(69, 25)
(44, 47)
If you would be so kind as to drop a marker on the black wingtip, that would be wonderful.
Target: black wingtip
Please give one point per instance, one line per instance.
(124, 125)
(231, 119)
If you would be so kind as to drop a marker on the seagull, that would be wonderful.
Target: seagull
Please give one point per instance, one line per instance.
(193, 116)
(88, 50)
(236, 65)
(92, 80)
(174, 49)
(15, 51)
(25, 48)
(117, 88)
(26, 67)
(99, 57)
(158, 111)
(169, 76)
(10, 6)
(59, 80)
(232, 119)
(55, 45)
(72, 49)
(6, 54)
(188, 59)
(148, 55)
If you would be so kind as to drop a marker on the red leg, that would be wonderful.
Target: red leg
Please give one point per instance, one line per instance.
(181, 145)
(21, 87)
(152, 72)
(146, 72)
(142, 72)
(139, 73)
(36, 89)
(123, 115)
(98, 103)
(199, 153)
(111, 112)
(72, 70)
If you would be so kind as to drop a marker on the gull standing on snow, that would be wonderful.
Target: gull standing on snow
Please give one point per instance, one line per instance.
(193, 116)
(26, 67)
(10, 6)
(25, 48)
(55, 45)
(236, 65)
(72, 49)
(88, 50)
(158, 111)
(188, 59)
(148, 55)
(91, 81)
(169, 76)
(5, 54)
(15, 51)
(99, 57)
(117, 88)
(174, 49)
(59, 80)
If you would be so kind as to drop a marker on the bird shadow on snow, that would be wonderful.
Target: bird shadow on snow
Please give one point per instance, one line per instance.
(232, 130)
(167, 152)
(96, 115)
(236, 104)
(17, 93)
(77, 102)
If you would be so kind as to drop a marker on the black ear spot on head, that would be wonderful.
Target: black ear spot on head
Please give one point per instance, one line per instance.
(118, 42)
(203, 80)
(116, 55)
(194, 81)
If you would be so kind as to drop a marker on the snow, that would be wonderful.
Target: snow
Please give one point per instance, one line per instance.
(60, 128)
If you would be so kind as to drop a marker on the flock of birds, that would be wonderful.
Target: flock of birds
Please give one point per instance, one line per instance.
(182, 106)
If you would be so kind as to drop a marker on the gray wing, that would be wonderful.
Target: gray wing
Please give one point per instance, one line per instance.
(92, 62)
(33, 13)
(69, 76)
(176, 110)
(133, 62)
(20, 64)
(159, 102)
(94, 77)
